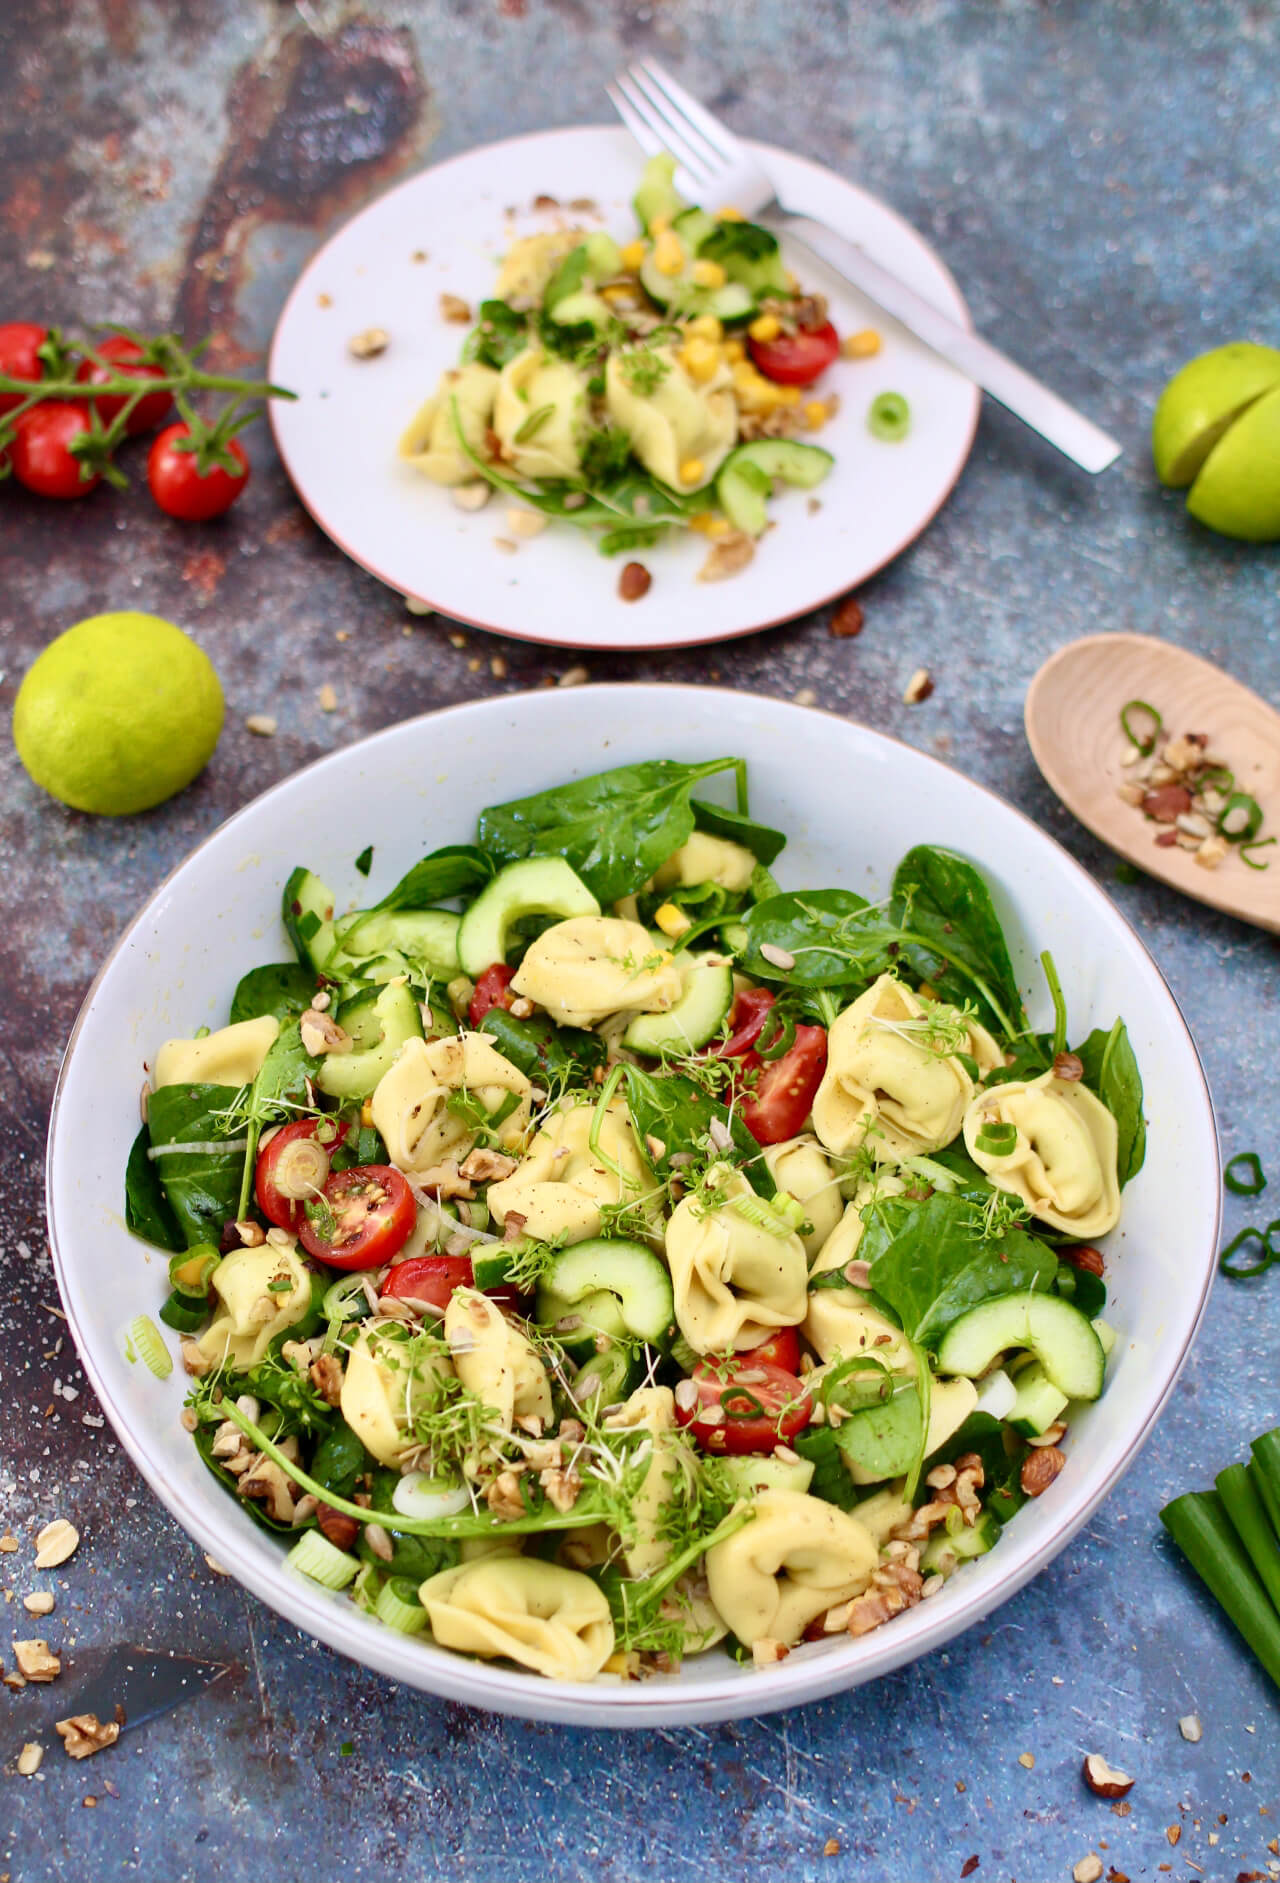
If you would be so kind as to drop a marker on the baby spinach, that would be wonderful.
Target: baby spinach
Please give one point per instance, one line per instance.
(553, 1055)
(884, 1438)
(818, 1445)
(834, 937)
(146, 1207)
(282, 1077)
(954, 936)
(202, 1186)
(459, 869)
(500, 335)
(764, 843)
(932, 1262)
(339, 1459)
(414, 1556)
(282, 988)
(614, 827)
(671, 1110)
(1111, 1070)
(1082, 1288)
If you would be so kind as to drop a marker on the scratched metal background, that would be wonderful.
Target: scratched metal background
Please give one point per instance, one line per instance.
(1102, 181)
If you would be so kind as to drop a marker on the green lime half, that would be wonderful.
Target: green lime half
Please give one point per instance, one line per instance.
(1200, 402)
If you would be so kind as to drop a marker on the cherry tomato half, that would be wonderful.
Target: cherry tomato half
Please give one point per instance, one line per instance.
(41, 457)
(433, 1278)
(370, 1215)
(150, 410)
(286, 1174)
(491, 991)
(743, 1405)
(746, 1022)
(783, 1095)
(781, 1349)
(177, 485)
(797, 359)
(20, 341)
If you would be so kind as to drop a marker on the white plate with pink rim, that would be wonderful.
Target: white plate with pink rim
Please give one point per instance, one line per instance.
(443, 231)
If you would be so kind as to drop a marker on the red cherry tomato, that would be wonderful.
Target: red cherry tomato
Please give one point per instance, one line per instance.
(783, 1094)
(370, 1215)
(746, 1022)
(491, 991)
(744, 1405)
(150, 410)
(41, 457)
(781, 1349)
(796, 359)
(433, 1278)
(284, 1177)
(20, 341)
(177, 485)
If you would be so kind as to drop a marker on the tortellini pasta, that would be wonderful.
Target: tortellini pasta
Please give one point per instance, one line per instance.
(707, 859)
(673, 422)
(493, 1359)
(799, 1167)
(734, 1281)
(841, 1323)
(651, 1409)
(529, 264)
(411, 1100)
(798, 1557)
(540, 415)
(883, 1084)
(231, 1055)
(430, 441)
(594, 965)
(561, 1184)
(555, 1621)
(842, 1245)
(263, 1291)
(1063, 1161)
(386, 1384)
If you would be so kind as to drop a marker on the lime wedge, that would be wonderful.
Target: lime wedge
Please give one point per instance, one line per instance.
(1238, 489)
(1201, 401)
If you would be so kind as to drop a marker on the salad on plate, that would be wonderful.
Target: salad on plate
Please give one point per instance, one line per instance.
(592, 1254)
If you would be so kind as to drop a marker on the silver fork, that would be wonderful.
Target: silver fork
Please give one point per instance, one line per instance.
(715, 170)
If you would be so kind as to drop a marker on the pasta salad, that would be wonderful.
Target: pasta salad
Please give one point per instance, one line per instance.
(592, 1254)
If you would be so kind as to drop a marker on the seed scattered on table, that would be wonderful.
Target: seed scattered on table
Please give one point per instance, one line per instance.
(8, 1543)
(634, 581)
(453, 307)
(416, 607)
(805, 697)
(498, 667)
(30, 1759)
(55, 1543)
(1190, 1728)
(264, 724)
(327, 698)
(1028, 1759)
(847, 619)
(39, 1603)
(918, 687)
(1089, 1869)
(573, 677)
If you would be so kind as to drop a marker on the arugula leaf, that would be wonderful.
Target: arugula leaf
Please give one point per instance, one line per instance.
(456, 870)
(500, 335)
(932, 1263)
(202, 1187)
(614, 827)
(1111, 1070)
(677, 1113)
(764, 843)
(146, 1207)
(944, 903)
(282, 988)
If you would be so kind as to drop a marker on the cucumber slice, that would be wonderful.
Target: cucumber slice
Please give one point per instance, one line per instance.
(656, 194)
(583, 309)
(695, 1018)
(584, 1326)
(1056, 1333)
(426, 936)
(1037, 1402)
(379, 1020)
(747, 474)
(534, 886)
(693, 226)
(307, 912)
(620, 1288)
(943, 1552)
(745, 1476)
(681, 293)
(607, 1378)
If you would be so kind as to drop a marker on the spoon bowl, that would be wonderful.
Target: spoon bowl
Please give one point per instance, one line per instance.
(1072, 719)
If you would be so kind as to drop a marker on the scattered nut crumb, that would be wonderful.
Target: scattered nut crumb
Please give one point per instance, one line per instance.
(847, 619)
(498, 667)
(766, 1652)
(526, 523)
(324, 300)
(573, 677)
(8, 1543)
(84, 1734)
(634, 581)
(805, 697)
(36, 1661)
(474, 664)
(1028, 1759)
(419, 255)
(29, 1759)
(1173, 1833)
(505, 544)
(453, 307)
(1190, 1728)
(1103, 1780)
(40, 1603)
(1088, 1870)
(327, 699)
(730, 555)
(416, 607)
(831, 1848)
(215, 1565)
(264, 724)
(918, 687)
(368, 345)
(457, 640)
(55, 1543)
(471, 497)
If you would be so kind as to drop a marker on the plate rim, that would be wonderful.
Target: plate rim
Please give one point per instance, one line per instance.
(766, 151)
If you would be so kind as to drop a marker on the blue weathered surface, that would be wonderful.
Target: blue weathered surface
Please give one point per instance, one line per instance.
(1102, 181)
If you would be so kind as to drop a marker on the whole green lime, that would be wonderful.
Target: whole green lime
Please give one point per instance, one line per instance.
(1238, 489)
(118, 713)
(1202, 401)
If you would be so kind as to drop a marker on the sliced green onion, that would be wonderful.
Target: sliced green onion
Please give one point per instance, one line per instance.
(1243, 1501)
(1238, 832)
(398, 1606)
(1199, 1525)
(534, 424)
(184, 1315)
(889, 418)
(780, 1218)
(364, 1590)
(1251, 1185)
(1243, 1272)
(1217, 778)
(418, 1494)
(997, 1140)
(313, 1555)
(147, 1342)
(345, 1300)
(1145, 745)
(1265, 1470)
(1259, 843)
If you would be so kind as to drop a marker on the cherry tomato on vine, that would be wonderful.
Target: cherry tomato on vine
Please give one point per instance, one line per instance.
(742, 1405)
(796, 359)
(746, 1022)
(177, 485)
(780, 1101)
(491, 991)
(41, 456)
(151, 410)
(293, 1167)
(20, 341)
(368, 1213)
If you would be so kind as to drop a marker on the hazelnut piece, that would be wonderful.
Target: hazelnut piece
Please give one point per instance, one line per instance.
(1104, 1780)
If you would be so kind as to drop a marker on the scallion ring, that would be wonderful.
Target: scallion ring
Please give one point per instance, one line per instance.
(1251, 1184)
(1148, 745)
(777, 1036)
(1260, 844)
(1240, 818)
(739, 1402)
(997, 1140)
(889, 418)
(1246, 1272)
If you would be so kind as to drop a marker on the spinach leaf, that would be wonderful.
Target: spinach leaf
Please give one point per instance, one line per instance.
(500, 335)
(763, 842)
(553, 1055)
(203, 1186)
(831, 1481)
(282, 988)
(339, 1459)
(932, 1263)
(1082, 1288)
(885, 1437)
(458, 869)
(677, 1113)
(614, 827)
(1001, 1451)
(146, 1207)
(941, 900)
(278, 1384)
(282, 1077)
(834, 936)
(1111, 1070)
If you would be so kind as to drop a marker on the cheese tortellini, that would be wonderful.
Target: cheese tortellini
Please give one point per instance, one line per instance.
(561, 1184)
(798, 1557)
(881, 1074)
(231, 1055)
(515, 1608)
(1063, 1161)
(650, 1409)
(841, 1323)
(707, 859)
(263, 1291)
(430, 441)
(529, 264)
(673, 422)
(411, 1100)
(493, 1359)
(594, 965)
(842, 1245)
(540, 415)
(799, 1167)
(734, 1281)
(383, 1391)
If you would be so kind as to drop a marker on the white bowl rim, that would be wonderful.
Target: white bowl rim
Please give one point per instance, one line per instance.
(493, 1687)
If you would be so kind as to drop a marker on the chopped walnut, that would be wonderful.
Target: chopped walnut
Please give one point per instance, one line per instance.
(84, 1734)
(300, 1353)
(36, 1661)
(483, 1166)
(445, 1180)
(561, 1487)
(228, 1440)
(730, 555)
(266, 1482)
(963, 1491)
(503, 1497)
(894, 1587)
(320, 1034)
(454, 308)
(325, 1375)
(513, 1227)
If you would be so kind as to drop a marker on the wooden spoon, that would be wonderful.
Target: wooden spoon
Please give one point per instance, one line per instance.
(1073, 727)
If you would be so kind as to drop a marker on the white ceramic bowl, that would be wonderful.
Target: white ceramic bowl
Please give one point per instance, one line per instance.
(852, 802)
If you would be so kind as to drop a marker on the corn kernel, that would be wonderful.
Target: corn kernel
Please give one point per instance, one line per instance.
(709, 274)
(815, 413)
(705, 327)
(668, 253)
(672, 921)
(702, 521)
(765, 327)
(659, 226)
(734, 351)
(700, 359)
(863, 344)
(692, 471)
(729, 214)
(619, 294)
(718, 526)
(633, 255)
(788, 395)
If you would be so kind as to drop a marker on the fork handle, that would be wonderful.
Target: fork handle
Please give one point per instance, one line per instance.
(1073, 434)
